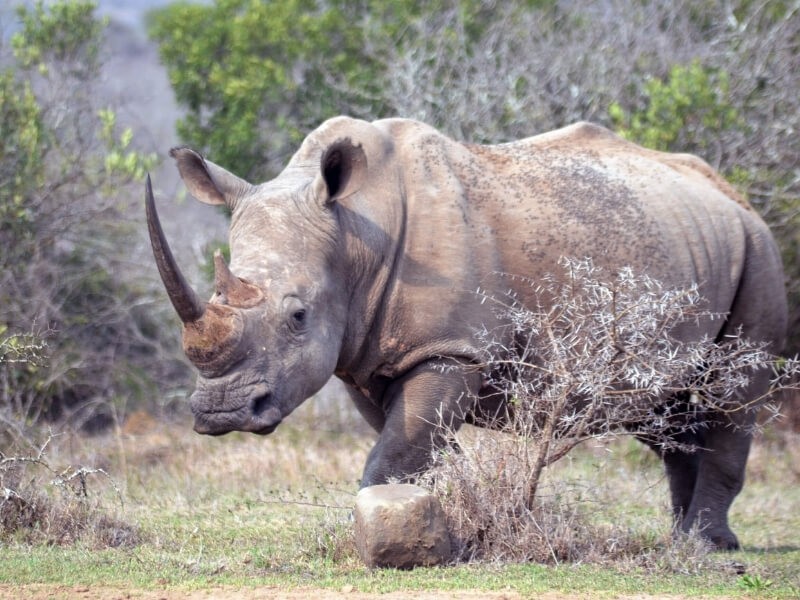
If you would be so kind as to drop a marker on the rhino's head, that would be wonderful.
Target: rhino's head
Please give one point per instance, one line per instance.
(271, 334)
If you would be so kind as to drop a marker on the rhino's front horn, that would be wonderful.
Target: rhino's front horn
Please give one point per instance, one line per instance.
(183, 297)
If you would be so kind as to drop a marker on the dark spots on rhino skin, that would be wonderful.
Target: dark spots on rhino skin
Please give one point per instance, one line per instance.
(495, 154)
(552, 189)
(585, 198)
(588, 196)
(535, 250)
(577, 195)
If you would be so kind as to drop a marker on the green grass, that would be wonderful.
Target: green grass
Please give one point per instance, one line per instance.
(232, 565)
(245, 511)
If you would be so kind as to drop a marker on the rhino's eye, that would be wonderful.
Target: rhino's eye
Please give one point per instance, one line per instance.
(296, 314)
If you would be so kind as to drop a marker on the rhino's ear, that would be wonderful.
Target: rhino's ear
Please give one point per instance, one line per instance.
(208, 182)
(342, 171)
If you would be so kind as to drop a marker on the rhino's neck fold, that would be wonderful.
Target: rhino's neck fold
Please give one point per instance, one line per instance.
(374, 251)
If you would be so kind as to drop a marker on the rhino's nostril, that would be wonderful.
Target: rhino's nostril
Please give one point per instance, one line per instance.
(261, 403)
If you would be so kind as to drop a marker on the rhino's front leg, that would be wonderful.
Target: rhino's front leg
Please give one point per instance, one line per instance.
(432, 393)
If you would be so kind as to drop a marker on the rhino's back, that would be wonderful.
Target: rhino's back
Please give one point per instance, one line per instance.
(582, 191)
(668, 215)
(588, 135)
(476, 214)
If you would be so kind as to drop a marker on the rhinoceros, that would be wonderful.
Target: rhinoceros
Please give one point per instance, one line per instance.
(363, 257)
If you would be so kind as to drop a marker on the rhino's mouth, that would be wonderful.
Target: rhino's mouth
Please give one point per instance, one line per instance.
(259, 415)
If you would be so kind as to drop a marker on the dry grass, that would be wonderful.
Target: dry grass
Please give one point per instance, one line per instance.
(247, 506)
(153, 466)
(41, 504)
(594, 507)
(186, 463)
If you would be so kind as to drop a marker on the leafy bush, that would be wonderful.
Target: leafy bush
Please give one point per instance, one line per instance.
(256, 76)
(688, 111)
(65, 273)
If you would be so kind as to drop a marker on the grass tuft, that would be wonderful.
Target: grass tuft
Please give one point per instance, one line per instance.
(43, 505)
(482, 492)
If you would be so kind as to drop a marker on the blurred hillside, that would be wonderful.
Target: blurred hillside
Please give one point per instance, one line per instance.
(136, 82)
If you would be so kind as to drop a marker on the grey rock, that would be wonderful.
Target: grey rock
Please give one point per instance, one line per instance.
(400, 526)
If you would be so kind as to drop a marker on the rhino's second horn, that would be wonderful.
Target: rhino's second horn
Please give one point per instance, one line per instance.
(183, 297)
(231, 289)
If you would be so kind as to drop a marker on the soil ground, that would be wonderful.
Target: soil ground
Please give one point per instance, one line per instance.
(53, 592)
(59, 592)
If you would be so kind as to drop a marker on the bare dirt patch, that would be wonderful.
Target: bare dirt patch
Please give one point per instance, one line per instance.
(63, 592)
(54, 592)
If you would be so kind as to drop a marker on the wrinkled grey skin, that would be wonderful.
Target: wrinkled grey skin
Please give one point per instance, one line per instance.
(362, 258)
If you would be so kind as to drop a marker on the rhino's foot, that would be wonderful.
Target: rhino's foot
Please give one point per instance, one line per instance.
(725, 542)
(721, 538)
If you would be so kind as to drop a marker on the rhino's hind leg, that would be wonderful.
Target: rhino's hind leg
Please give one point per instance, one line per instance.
(721, 466)
(431, 393)
(720, 477)
(703, 483)
(681, 468)
(758, 314)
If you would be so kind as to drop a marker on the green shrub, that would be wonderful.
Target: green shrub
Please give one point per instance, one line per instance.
(65, 269)
(684, 113)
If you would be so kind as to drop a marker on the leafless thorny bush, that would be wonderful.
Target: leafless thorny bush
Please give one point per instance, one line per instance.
(59, 509)
(17, 351)
(594, 357)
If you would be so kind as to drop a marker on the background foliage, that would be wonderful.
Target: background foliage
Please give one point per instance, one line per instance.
(717, 78)
(73, 341)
